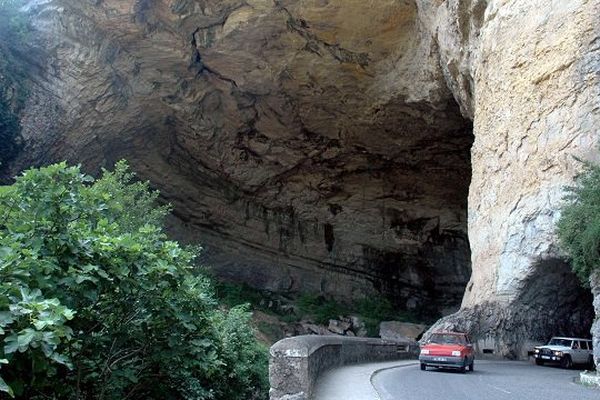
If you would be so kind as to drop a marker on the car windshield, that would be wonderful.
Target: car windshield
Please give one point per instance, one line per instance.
(560, 342)
(443, 338)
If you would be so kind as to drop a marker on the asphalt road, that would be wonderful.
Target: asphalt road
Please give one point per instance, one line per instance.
(491, 380)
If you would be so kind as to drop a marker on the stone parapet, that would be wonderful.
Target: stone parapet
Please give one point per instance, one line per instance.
(296, 363)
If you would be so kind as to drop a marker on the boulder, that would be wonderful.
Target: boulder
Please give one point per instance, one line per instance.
(314, 329)
(397, 330)
(339, 327)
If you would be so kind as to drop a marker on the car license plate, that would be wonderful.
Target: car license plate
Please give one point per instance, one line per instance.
(439, 359)
(546, 357)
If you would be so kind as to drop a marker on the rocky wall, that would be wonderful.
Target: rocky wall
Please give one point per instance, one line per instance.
(536, 107)
(325, 146)
(308, 145)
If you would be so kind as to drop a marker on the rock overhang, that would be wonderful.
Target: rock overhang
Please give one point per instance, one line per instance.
(324, 146)
(315, 138)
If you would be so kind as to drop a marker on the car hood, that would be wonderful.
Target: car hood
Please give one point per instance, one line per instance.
(554, 347)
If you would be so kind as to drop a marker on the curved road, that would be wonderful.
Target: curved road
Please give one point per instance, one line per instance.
(491, 380)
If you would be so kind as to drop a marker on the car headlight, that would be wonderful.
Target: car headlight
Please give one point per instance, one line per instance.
(558, 353)
(536, 350)
(456, 353)
(424, 351)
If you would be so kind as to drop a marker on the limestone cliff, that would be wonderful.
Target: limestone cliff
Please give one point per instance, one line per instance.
(535, 68)
(325, 145)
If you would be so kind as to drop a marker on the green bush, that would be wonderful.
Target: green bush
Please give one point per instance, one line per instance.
(233, 294)
(579, 224)
(320, 308)
(96, 303)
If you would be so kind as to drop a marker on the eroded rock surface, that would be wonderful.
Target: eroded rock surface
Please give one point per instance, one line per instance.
(309, 145)
(535, 69)
(323, 145)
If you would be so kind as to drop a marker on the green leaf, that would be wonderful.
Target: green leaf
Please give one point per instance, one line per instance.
(11, 345)
(41, 324)
(24, 338)
(61, 359)
(6, 317)
(5, 252)
(69, 314)
(5, 388)
(83, 278)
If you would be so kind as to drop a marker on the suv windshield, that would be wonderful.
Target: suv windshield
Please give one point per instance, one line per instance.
(442, 338)
(560, 342)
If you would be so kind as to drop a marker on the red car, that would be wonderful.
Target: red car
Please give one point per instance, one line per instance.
(448, 350)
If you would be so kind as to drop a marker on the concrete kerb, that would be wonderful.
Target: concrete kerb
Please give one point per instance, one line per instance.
(378, 371)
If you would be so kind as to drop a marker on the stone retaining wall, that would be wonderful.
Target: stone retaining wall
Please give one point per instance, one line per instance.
(296, 363)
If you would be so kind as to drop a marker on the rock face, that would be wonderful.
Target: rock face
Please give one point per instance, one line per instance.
(309, 145)
(323, 145)
(535, 70)
(397, 330)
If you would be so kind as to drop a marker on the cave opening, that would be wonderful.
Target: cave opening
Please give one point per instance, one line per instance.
(388, 222)
(554, 302)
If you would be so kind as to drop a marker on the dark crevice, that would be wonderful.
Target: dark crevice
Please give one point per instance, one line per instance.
(328, 236)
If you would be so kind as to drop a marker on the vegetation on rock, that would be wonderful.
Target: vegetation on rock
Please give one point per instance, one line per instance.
(96, 303)
(579, 224)
(312, 308)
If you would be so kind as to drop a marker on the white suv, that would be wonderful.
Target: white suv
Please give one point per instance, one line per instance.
(566, 351)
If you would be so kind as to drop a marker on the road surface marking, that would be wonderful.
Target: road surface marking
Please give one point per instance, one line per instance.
(500, 389)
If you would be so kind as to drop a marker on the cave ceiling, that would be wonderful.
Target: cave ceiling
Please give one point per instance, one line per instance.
(309, 145)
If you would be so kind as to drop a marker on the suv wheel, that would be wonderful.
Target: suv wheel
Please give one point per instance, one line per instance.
(423, 367)
(566, 362)
(591, 364)
(539, 361)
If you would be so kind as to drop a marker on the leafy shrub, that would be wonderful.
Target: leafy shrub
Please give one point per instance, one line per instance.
(96, 303)
(320, 308)
(579, 224)
(232, 294)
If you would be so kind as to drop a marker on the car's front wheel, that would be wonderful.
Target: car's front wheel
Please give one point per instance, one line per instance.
(472, 366)
(423, 367)
(539, 362)
(566, 362)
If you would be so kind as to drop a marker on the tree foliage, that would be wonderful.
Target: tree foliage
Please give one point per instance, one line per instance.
(96, 303)
(579, 224)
